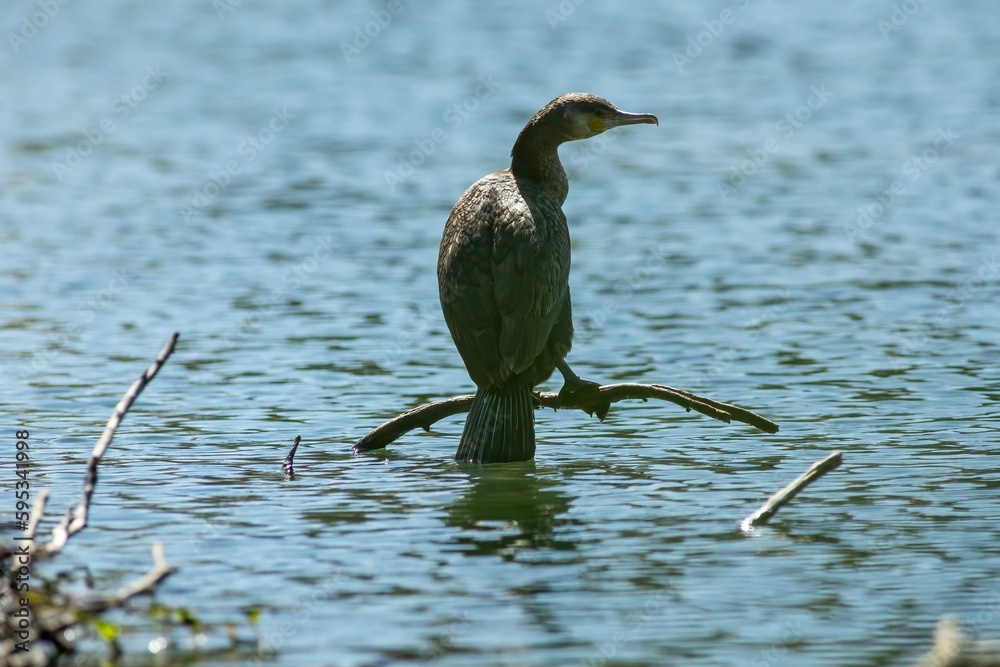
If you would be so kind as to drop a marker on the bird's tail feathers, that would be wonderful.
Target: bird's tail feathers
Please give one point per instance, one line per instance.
(500, 427)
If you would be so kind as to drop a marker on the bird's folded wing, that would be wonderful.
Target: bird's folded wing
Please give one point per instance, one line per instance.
(530, 281)
(465, 280)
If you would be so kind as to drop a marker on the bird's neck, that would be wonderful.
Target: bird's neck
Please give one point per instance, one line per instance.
(536, 158)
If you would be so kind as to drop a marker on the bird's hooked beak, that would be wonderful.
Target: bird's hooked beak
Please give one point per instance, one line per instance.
(620, 118)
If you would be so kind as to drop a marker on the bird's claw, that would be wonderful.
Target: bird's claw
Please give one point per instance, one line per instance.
(584, 394)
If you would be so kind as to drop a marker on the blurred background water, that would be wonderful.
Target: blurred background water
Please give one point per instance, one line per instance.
(811, 232)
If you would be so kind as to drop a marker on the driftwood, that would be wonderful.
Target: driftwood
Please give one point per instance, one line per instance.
(953, 648)
(425, 416)
(774, 503)
(50, 615)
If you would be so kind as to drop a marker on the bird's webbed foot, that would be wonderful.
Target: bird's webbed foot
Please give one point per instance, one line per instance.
(583, 393)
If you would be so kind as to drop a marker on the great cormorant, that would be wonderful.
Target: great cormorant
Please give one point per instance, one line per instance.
(503, 278)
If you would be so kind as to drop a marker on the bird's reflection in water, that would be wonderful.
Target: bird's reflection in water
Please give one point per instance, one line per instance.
(509, 509)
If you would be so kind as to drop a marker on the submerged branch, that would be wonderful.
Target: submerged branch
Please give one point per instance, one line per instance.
(288, 467)
(425, 416)
(774, 503)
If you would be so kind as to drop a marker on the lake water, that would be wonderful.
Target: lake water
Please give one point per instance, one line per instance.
(811, 232)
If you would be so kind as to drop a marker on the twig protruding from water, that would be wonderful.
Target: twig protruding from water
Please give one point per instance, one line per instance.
(774, 503)
(288, 467)
(953, 648)
(75, 521)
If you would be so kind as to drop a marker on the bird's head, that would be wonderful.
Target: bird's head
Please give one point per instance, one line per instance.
(577, 116)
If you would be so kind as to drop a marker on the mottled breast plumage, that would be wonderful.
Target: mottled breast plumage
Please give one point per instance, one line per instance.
(503, 273)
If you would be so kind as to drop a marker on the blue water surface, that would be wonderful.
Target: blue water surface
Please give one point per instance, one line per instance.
(811, 232)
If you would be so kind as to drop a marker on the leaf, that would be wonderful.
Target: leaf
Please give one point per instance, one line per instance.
(253, 615)
(109, 632)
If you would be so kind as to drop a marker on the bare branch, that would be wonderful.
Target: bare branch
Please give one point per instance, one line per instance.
(145, 584)
(52, 614)
(774, 503)
(76, 521)
(37, 512)
(425, 416)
